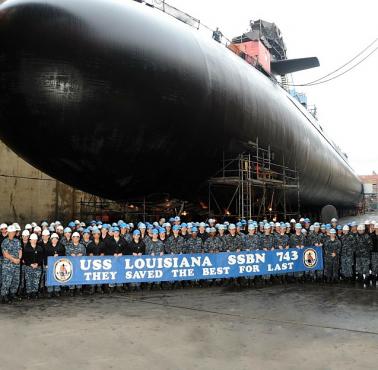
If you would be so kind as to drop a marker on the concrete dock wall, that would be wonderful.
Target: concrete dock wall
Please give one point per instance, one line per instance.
(27, 194)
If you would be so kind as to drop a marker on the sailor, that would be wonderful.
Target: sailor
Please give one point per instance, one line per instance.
(332, 248)
(44, 242)
(86, 238)
(184, 231)
(175, 243)
(213, 244)
(24, 241)
(362, 251)
(53, 249)
(121, 247)
(155, 247)
(251, 239)
(12, 254)
(217, 35)
(136, 247)
(33, 261)
(66, 239)
(96, 248)
(297, 240)
(202, 232)
(347, 254)
(334, 223)
(75, 249)
(194, 243)
(374, 255)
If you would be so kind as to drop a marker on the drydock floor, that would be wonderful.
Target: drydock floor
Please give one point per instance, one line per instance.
(278, 327)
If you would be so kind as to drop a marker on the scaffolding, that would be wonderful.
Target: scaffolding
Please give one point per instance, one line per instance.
(254, 187)
(141, 209)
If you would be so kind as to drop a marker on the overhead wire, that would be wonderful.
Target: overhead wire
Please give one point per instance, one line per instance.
(322, 80)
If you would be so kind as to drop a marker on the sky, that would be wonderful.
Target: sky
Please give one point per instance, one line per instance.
(334, 31)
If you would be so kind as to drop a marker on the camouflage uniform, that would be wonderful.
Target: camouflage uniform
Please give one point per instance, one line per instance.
(232, 243)
(331, 264)
(33, 275)
(75, 249)
(295, 241)
(10, 271)
(222, 240)
(268, 242)
(193, 245)
(175, 245)
(282, 240)
(155, 247)
(363, 250)
(32, 279)
(213, 244)
(347, 255)
(374, 254)
(252, 242)
(128, 237)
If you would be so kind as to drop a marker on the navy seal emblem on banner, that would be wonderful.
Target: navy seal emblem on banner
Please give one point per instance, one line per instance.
(310, 258)
(63, 270)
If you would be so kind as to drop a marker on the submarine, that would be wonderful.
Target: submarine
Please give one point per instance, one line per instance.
(120, 100)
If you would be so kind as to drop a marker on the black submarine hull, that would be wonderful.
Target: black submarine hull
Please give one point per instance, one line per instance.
(120, 100)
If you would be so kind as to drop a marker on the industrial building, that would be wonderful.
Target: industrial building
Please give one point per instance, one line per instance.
(370, 183)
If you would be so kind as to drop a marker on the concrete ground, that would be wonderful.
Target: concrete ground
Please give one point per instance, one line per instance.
(277, 327)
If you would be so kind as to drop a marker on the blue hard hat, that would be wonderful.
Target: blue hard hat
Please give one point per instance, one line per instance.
(115, 229)
(99, 222)
(298, 226)
(194, 229)
(123, 225)
(238, 224)
(136, 232)
(184, 225)
(332, 231)
(71, 224)
(243, 222)
(86, 231)
(105, 226)
(155, 231)
(67, 230)
(161, 230)
(176, 227)
(339, 227)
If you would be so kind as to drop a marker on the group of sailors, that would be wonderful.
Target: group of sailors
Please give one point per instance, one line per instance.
(350, 251)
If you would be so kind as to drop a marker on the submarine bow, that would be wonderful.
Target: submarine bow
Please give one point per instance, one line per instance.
(118, 99)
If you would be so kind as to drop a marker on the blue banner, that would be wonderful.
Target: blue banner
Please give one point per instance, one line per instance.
(138, 269)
